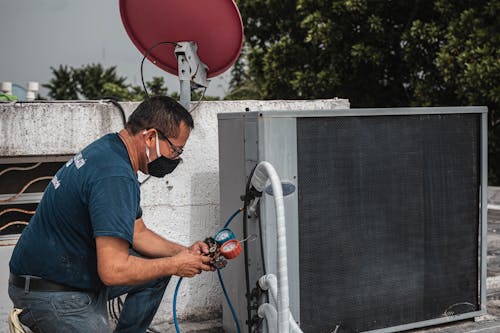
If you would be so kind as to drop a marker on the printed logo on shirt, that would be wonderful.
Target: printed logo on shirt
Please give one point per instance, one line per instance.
(55, 181)
(79, 161)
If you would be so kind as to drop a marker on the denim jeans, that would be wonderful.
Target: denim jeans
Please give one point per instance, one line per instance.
(86, 312)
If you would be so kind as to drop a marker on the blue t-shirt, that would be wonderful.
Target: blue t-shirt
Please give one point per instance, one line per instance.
(96, 193)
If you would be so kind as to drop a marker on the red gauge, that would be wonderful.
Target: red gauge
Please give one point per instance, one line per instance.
(231, 249)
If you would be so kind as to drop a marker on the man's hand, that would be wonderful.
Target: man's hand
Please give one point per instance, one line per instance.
(199, 247)
(190, 264)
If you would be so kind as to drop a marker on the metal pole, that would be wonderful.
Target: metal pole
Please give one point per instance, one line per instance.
(185, 93)
(185, 80)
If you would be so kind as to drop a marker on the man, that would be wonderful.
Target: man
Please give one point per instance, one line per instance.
(77, 251)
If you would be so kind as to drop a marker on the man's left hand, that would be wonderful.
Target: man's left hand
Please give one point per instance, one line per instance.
(199, 247)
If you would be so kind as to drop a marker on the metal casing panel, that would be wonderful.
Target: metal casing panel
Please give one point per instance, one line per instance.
(243, 142)
(278, 146)
(232, 184)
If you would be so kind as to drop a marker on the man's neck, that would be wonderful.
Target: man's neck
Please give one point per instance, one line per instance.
(135, 150)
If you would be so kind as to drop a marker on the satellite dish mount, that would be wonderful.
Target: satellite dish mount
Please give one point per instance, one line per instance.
(192, 71)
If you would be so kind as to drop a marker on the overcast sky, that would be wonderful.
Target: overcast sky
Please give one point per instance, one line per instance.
(37, 34)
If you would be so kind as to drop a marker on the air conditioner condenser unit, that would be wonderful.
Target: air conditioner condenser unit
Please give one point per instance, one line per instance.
(386, 228)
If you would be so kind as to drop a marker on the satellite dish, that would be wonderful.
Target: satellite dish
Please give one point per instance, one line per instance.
(215, 26)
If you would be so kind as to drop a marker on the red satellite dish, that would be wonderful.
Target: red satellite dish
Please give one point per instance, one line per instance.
(214, 25)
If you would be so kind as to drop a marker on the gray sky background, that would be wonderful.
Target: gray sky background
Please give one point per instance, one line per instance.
(37, 34)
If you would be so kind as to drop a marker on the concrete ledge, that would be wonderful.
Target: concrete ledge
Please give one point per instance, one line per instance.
(54, 128)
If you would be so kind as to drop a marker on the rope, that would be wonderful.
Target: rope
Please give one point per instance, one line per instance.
(20, 168)
(25, 187)
(19, 210)
(13, 223)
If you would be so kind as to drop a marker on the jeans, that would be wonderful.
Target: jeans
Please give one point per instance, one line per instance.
(85, 312)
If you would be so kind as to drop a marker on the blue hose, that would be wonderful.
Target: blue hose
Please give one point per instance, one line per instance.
(221, 283)
(228, 301)
(175, 305)
(229, 220)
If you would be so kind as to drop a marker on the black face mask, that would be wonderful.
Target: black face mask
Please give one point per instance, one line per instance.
(162, 166)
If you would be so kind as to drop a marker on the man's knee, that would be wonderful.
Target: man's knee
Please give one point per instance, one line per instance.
(161, 283)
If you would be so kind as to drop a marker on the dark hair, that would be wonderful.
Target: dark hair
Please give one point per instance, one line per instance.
(161, 112)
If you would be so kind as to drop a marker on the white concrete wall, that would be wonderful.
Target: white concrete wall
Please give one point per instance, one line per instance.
(183, 207)
(5, 304)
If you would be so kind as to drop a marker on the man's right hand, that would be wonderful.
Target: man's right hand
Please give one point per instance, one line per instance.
(190, 264)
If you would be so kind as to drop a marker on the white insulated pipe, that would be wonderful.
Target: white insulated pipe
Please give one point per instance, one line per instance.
(270, 282)
(264, 171)
(268, 312)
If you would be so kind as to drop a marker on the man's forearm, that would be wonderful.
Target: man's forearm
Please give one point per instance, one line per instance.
(150, 244)
(117, 267)
(138, 270)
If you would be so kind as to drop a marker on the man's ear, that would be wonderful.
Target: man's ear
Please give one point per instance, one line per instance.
(150, 136)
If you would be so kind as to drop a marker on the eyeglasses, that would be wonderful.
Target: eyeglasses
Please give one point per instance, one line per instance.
(177, 150)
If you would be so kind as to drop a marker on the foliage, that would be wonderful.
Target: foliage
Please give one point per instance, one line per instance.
(96, 82)
(375, 53)
(7, 97)
(463, 67)
(63, 85)
(93, 80)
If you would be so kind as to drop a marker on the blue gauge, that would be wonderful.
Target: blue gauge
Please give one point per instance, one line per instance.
(223, 236)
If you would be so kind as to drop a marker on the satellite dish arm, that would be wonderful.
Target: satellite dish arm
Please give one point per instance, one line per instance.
(192, 71)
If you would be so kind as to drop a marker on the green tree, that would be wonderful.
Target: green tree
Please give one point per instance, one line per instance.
(157, 86)
(63, 84)
(456, 59)
(376, 54)
(96, 82)
(326, 48)
(93, 81)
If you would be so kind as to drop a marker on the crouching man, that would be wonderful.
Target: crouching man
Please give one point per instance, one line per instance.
(80, 248)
